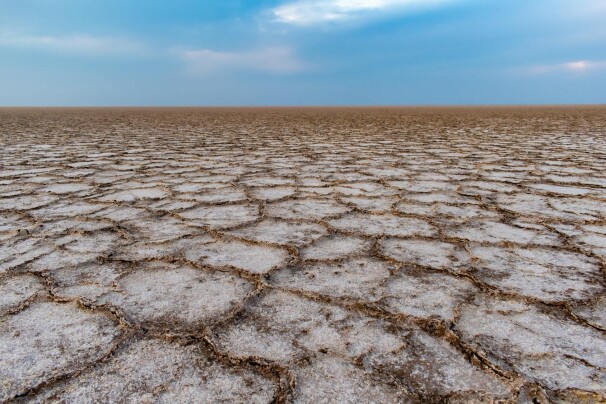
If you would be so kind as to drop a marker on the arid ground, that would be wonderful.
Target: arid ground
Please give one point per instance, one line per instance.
(303, 255)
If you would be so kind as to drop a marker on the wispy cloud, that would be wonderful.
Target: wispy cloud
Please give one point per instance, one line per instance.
(584, 65)
(577, 66)
(311, 12)
(269, 59)
(73, 44)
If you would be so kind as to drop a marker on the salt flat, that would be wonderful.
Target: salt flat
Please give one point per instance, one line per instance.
(303, 255)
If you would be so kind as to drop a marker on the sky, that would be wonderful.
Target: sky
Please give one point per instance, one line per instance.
(301, 52)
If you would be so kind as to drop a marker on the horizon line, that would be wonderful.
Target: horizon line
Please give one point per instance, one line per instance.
(300, 106)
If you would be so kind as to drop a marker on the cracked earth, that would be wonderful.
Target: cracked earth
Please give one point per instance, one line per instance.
(303, 255)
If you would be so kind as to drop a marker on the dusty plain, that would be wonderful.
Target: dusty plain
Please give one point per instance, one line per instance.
(386, 255)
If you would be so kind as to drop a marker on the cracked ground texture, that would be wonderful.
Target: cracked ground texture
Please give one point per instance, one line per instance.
(303, 255)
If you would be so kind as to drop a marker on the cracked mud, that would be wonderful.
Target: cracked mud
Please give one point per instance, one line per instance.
(303, 255)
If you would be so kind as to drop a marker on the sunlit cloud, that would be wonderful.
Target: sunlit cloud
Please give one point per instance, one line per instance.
(583, 65)
(73, 44)
(577, 66)
(311, 12)
(270, 59)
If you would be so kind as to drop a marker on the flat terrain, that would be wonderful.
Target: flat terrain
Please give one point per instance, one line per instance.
(303, 255)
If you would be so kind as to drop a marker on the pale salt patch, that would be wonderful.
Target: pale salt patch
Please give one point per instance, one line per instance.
(553, 351)
(491, 187)
(592, 240)
(425, 294)
(376, 205)
(273, 193)
(104, 178)
(593, 312)
(177, 296)
(124, 167)
(267, 181)
(431, 367)
(247, 340)
(159, 229)
(253, 258)
(567, 229)
(312, 182)
(495, 232)
(175, 248)
(215, 382)
(330, 379)
(121, 213)
(507, 176)
(17, 172)
(336, 247)
(282, 233)
(364, 189)
(416, 209)
(379, 225)
(283, 327)
(465, 212)
(88, 281)
(26, 202)
(348, 176)
(132, 195)
(595, 229)
(100, 242)
(74, 225)
(434, 197)
(223, 216)
(90, 292)
(541, 206)
(211, 178)
(423, 186)
(317, 190)
(48, 340)
(557, 189)
(66, 209)
(222, 195)
(16, 290)
(90, 163)
(354, 278)
(388, 172)
(542, 274)
(40, 179)
(188, 187)
(12, 224)
(429, 253)
(312, 209)
(580, 207)
(76, 173)
(585, 180)
(433, 176)
(67, 188)
(160, 371)
(19, 252)
(172, 206)
(60, 258)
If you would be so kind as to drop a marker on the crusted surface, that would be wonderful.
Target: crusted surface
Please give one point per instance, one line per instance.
(303, 255)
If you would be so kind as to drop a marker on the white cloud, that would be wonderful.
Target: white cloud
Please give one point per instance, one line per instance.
(583, 65)
(75, 44)
(310, 12)
(270, 59)
(577, 66)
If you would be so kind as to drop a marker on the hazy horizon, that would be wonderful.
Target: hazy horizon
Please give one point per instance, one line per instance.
(309, 106)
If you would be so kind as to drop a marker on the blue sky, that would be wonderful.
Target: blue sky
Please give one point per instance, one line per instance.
(302, 52)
